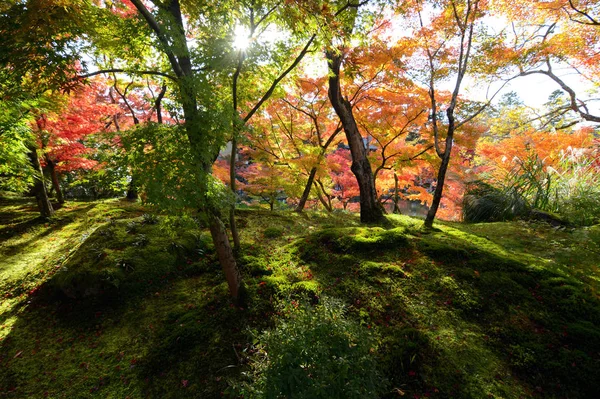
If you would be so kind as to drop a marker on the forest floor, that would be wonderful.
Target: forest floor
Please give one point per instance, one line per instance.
(109, 299)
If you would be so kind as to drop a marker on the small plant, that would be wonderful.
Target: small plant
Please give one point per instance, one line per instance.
(141, 240)
(98, 253)
(315, 353)
(175, 247)
(149, 218)
(125, 264)
(131, 227)
(273, 232)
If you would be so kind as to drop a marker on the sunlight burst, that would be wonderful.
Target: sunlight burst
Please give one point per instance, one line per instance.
(242, 38)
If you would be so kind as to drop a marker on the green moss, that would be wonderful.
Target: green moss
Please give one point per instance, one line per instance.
(470, 311)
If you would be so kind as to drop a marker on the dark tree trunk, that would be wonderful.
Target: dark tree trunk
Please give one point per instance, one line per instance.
(306, 193)
(441, 177)
(326, 203)
(225, 255)
(370, 209)
(158, 103)
(39, 188)
(396, 196)
(132, 193)
(51, 166)
(232, 183)
(174, 44)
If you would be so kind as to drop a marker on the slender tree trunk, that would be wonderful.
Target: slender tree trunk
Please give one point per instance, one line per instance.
(174, 45)
(158, 103)
(306, 193)
(326, 204)
(55, 183)
(370, 209)
(225, 255)
(396, 196)
(441, 178)
(39, 188)
(232, 164)
(232, 184)
(132, 193)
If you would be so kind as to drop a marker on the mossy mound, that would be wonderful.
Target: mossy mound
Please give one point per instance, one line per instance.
(128, 257)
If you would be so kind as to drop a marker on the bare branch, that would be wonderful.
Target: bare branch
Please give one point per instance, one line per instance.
(283, 74)
(127, 71)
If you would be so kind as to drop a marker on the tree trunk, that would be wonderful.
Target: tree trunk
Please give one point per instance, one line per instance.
(232, 184)
(132, 193)
(396, 196)
(225, 255)
(441, 177)
(39, 188)
(305, 194)
(326, 204)
(370, 209)
(55, 183)
(174, 45)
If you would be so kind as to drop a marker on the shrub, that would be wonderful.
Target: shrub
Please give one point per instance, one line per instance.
(273, 232)
(485, 203)
(315, 353)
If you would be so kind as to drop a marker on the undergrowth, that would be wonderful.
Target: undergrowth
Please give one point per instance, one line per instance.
(110, 299)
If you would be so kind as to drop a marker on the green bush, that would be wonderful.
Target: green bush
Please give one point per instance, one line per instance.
(273, 232)
(314, 353)
(571, 191)
(485, 203)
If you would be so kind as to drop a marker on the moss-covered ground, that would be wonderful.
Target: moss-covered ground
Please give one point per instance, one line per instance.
(109, 299)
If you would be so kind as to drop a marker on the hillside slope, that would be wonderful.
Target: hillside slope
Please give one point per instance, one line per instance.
(110, 300)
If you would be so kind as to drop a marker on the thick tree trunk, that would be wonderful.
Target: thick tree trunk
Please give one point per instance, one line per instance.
(39, 188)
(306, 193)
(370, 209)
(55, 183)
(225, 255)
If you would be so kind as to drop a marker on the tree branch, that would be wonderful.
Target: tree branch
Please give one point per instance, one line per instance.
(160, 34)
(134, 72)
(283, 74)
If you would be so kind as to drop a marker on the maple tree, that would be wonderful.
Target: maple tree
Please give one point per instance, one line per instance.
(209, 74)
(549, 36)
(63, 134)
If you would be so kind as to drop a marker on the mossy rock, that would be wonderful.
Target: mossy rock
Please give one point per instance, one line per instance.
(547, 217)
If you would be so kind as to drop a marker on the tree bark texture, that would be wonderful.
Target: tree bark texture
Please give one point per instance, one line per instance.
(55, 183)
(441, 178)
(396, 195)
(39, 188)
(306, 192)
(370, 209)
(225, 255)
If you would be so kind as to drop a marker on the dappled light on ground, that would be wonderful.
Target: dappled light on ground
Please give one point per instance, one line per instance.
(125, 303)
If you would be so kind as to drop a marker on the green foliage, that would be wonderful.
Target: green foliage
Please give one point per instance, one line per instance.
(485, 203)
(571, 191)
(16, 173)
(109, 180)
(576, 188)
(169, 172)
(316, 352)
